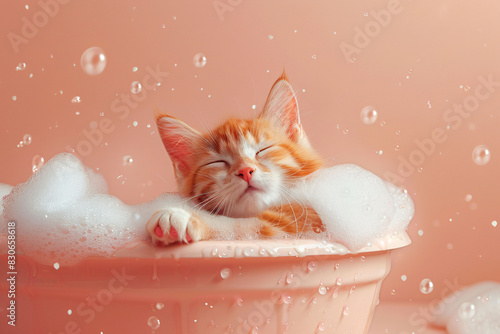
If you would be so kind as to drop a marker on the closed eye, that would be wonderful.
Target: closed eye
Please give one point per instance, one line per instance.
(217, 162)
(264, 149)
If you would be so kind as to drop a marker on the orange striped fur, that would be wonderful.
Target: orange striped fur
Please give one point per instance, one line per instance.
(273, 146)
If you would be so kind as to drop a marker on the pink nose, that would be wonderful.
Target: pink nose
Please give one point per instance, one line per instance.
(246, 173)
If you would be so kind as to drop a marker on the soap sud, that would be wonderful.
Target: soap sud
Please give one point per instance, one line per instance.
(485, 319)
(64, 214)
(355, 205)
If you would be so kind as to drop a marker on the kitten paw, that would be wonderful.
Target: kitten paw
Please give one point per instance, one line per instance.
(174, 225)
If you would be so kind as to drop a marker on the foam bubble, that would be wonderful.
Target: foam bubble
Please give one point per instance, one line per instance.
(355, 205)
(472, 310)
(64, 213)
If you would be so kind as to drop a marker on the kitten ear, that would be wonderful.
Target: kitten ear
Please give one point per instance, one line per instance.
(180, 140)
(282, 107)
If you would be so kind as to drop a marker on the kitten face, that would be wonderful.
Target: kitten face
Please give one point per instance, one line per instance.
(242, 167)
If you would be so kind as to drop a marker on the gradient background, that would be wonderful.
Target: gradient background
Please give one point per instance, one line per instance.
(428, 57)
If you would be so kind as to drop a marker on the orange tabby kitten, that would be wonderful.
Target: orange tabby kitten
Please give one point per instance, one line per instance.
(242, 168)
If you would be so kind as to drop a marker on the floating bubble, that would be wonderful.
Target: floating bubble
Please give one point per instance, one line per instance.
(369, 115)
(468, 197)
(21, 67)
(481, 155)
(494, 223)
(14, 98)
(154, 322)
(70, 312)
(467, 310)
(403, 278)
(27, 139)
(136, 87)
(37, 162)
(135, 123)
(199, 60)
(127, 160)
(93, 61)
(225, 273)
(426, 286)
(76, 99)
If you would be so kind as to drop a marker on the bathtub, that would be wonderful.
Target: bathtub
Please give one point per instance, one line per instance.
(261, 286)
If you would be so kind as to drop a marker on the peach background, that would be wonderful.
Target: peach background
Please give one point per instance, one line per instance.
(426, 59)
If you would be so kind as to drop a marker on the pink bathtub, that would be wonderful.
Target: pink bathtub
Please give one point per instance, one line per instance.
(208, 287)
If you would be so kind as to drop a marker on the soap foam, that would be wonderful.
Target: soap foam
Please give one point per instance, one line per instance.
(355, 205)
(64, 214)
(472, 310)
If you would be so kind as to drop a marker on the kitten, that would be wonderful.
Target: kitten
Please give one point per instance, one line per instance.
(242, 168)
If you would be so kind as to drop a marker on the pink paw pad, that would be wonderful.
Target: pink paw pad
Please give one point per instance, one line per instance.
(172, 232)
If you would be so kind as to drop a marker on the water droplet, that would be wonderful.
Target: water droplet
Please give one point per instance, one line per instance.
(337, 266)
(134, 69)
(426, 286)
(322, 290)
(136, 87)
(93, 61)
(287, 299)
(21, 67)
(248, 251)
(481, 155)
(14, 98)
(135, 123)
(420, 232)
(345, 131)
(369, 115)
(56, 266)
(467, 310)
(154, 322)
(311, 266)
(403, 278)
(199, 60)
(468, 197)
(27, 139)
(254, 106)
(127, 160)
(397, 148)
(289, 278)
(494, 223)
(270, 37)
(225, 273)
(346, 311)
(338, 281)
(70, 311)
(393, 292)
(239, 301)
(363, 258)
(321, 327)
(76, 99)
(37, 162)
